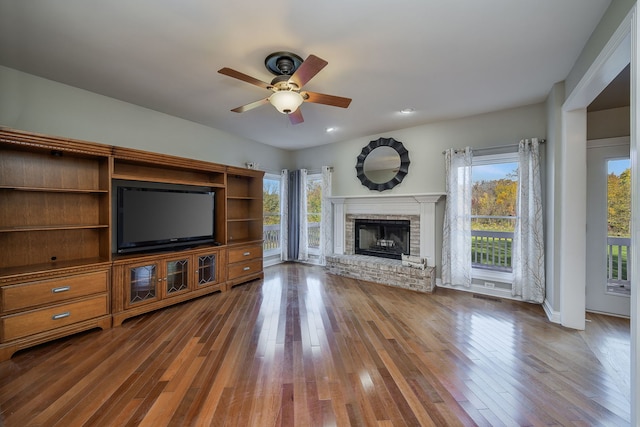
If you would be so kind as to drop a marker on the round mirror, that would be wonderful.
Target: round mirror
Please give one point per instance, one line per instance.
(382, 164)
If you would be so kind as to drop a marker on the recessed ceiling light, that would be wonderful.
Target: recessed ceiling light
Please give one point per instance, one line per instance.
(407, 110)
(330, 129)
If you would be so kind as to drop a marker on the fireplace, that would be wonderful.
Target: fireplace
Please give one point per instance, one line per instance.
(382, 237)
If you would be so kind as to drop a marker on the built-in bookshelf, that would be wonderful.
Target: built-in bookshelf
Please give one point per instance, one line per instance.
(58, 271)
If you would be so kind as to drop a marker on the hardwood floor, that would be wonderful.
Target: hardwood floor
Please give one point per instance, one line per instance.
(305, 348)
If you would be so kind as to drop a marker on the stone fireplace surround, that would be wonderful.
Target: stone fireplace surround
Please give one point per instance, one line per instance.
(419, 209)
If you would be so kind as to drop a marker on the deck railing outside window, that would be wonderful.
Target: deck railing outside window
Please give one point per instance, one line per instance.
(271, 236)
(313, 238)
(491, 242)
(618, 255)
(491, 250)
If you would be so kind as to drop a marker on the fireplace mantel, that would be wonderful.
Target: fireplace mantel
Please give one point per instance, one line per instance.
(423, 205)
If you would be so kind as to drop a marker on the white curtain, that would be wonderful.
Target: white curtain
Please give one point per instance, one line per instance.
(303, 248)
(284, 215)
(326, 220)
(528, 238)
(456, 246)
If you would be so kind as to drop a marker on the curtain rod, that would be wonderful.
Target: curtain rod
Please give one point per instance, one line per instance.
(495, 147)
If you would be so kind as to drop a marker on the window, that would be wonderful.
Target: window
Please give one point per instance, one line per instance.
(493, 211)
(271, 214)
(314, 212)
(618, 226)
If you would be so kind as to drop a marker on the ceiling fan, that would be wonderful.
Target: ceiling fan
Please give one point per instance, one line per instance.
(292, 73)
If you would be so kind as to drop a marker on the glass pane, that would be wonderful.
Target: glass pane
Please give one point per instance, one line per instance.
(314, 211)
(619, 197)
(271, 214)
(206, 269)
(493, 214)
(494, 191)
(143, 283)
(618, 225)
(177, 276)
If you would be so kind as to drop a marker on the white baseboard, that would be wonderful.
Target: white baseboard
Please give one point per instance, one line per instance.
(604, 313)
(268, 262)
(553, 316)
(478, 289)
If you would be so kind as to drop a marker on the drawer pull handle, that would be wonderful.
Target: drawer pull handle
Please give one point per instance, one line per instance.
(61, 315)
(246, 268)
(60, 289)
(246, 254)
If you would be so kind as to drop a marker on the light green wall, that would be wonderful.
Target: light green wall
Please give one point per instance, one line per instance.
(425, 145)
(552, 194)
(39, 105)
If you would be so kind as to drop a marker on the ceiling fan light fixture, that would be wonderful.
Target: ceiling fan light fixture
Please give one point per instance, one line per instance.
(286, 101)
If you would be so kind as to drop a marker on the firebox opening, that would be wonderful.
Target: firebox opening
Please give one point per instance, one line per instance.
(383, 238)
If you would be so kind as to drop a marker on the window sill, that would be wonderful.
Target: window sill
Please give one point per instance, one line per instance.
(498, 276)
(478, 289)
(271, 252)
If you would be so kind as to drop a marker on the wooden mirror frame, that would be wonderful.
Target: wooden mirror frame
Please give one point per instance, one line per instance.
(402, 171)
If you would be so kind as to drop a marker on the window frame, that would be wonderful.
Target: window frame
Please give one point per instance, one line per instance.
(278, 250)
(483, 160)
(314, 177)
(625, 293)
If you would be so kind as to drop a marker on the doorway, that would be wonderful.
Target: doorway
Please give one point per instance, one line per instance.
(620, 50)
(608, 242)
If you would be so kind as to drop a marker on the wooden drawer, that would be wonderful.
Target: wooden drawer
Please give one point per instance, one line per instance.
(31, 322)
(25, 295)
(242, 269)
(245, 253)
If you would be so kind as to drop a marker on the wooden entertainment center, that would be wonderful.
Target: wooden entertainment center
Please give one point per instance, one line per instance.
(58, 272)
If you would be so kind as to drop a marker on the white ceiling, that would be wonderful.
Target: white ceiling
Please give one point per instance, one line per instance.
(444, 58)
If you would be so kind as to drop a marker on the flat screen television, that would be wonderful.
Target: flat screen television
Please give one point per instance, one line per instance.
(151, 219)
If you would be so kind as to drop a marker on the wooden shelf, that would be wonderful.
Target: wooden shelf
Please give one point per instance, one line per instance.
(55, 170)
(53, 190)
(138, 171)
(55, 199)
(198, 183)
(11, 273)
(244, 242)
(244, 206)
(52, 227)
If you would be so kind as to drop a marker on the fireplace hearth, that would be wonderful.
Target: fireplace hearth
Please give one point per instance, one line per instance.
(382, 238)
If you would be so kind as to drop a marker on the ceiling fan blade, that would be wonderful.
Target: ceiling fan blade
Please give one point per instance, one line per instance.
(296, 117)
(251, 106)
(320, 98)
(245, 78)
(305, 72)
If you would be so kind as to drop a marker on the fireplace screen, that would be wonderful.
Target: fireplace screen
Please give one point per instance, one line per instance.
(382, 238)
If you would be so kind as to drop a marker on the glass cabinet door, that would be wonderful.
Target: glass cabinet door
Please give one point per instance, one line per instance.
(142, 283)
(207, 269)
(177, 279)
